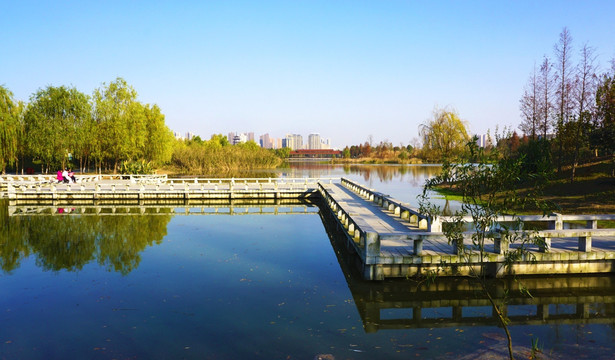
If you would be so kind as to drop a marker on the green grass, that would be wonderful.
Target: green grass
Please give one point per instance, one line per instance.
(592, 192)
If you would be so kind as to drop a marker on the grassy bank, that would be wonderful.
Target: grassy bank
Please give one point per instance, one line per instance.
(593, 191)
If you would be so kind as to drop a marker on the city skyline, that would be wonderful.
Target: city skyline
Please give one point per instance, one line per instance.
(350, 69)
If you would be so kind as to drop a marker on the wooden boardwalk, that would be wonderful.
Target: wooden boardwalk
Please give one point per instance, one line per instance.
(158, 188)
(393, 239)
(389, 238)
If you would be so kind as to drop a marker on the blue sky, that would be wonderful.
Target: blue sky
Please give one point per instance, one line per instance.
(344, 69)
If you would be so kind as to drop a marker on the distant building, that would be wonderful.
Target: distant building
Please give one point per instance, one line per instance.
(238, 138)
(294, 141)
(484, 140)
(189, 136)
(178, 135)
(314, 142)
(266, 142)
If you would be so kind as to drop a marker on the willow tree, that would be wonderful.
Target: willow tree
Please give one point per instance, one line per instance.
(445, 135)
(9, 129)
(52, 123)
(159, 141)
(115, 105)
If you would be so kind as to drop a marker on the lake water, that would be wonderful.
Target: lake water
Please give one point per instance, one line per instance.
(165, 285)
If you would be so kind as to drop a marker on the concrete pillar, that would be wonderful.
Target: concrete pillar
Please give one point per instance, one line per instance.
(418, 247)
(416, 314)
(457, 247)
(457, 313)
(558, 223)
(423, 224)
(546, 246)
(405, 215)
(434, 225)
(585, 243)
(583, 311)
(372, 245)
(501, 245)
(542, 311)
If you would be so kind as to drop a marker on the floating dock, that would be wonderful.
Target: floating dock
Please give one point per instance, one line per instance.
(387, 238)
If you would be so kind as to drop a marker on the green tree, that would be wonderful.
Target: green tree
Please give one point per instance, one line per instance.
(116, 112)
(346, 153)
(52, 122)
(444, 135)
(10, 133)
(603, 138)
(159, 141)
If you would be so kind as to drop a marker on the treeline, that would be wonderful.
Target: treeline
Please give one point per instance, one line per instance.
(109, 131)
(570, 104)
(384, 151)
(61, 126)
(444, 139)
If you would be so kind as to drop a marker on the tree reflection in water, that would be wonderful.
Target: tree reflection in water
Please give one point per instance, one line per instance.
(70, 242)
(388, 173)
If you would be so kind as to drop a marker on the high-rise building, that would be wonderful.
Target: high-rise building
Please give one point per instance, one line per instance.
(266, 142)
(314, 142)
(294, 141)
(483, 140)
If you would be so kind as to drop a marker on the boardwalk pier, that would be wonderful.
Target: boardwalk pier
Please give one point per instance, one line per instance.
(387, 237)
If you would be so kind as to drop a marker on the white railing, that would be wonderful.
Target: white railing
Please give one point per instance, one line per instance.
(431, 228)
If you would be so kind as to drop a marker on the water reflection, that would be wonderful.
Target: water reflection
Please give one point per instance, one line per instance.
(114, 236)
(461, 302)
(67, 236)
(388, 173)
(70, 242)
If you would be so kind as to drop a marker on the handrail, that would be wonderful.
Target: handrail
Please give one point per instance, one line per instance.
(403, 210)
